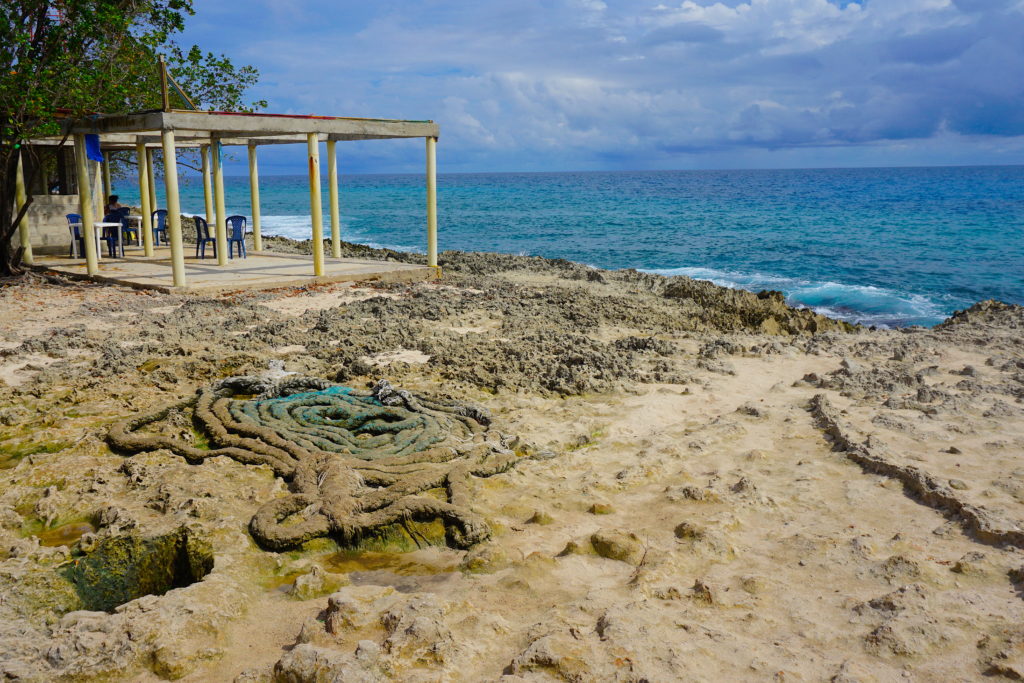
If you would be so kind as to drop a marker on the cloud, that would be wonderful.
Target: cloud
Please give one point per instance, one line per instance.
(683, 32)
(588, 84)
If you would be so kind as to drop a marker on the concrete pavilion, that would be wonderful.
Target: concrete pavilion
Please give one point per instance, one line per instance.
(171, 130)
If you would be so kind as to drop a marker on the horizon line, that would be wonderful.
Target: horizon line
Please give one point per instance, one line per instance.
(636, 170)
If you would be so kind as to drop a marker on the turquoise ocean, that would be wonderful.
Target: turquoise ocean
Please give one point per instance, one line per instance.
(880, 246)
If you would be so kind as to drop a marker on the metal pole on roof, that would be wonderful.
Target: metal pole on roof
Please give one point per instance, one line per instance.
(85, 205)
(332, 179)
(147, 208)
(173, 208)
(432, 201)
(254, 198)
(20, 199)
(316, 209)
(204, 154)
(218, 197)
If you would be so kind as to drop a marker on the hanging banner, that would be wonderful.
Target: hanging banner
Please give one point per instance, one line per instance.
(92, 148)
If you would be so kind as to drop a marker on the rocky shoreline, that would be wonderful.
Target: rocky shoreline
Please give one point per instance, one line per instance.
(708, 484)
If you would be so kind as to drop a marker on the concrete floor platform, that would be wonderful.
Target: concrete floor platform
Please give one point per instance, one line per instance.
(265, 270)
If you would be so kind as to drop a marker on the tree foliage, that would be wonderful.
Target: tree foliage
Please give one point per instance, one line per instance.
(80, 57)
(211, 81)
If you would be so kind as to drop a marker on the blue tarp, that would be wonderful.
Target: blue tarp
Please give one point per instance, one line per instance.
(92, 148)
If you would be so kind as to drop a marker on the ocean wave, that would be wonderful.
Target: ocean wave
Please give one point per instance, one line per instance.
(864, 304)
(732, 279)
(300, 227)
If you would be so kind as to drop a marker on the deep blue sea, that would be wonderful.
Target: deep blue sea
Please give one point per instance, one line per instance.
(882, 246)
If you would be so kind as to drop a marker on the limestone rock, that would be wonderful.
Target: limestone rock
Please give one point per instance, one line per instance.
(354, 607)
(690, 493)
(702, 592)
(899, 569)
(618, 545)
(307, 663)
(1002, 653)
(752, 410)
(577, 548)
(316, 582)
(568, 659)
(753, 584)
(484, 558)
(309, 585)
(416, 631)
(973, 564)
(541, 517)
(851, 366)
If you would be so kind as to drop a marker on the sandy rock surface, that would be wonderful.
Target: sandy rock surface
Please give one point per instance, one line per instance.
(712, 486)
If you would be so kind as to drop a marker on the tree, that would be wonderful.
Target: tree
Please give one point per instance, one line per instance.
(79, 57)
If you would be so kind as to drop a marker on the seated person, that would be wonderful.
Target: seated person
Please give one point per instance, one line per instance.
(112, 204)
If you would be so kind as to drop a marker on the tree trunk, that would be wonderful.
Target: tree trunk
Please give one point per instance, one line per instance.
(8, 216)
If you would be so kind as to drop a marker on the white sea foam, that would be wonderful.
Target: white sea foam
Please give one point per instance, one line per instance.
(300, 227)
(865, 304)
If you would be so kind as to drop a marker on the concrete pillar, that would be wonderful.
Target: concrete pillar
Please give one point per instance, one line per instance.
(204, 154)
(254, 198)
(144, 198)
(173, 208)
(432, 201)
(332, 179)
(20, 199)
(315, 207)
(221, 231)
(108, 186)
(85, 205)
(152, 180)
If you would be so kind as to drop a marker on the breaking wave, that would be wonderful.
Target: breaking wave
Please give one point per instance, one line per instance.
(298, 227)
(864, 304)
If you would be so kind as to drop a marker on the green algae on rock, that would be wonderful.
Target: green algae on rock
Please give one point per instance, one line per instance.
(11, 455)
(66, 534)
(126, 567)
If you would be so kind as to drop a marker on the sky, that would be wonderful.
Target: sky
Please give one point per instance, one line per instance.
(560, 85)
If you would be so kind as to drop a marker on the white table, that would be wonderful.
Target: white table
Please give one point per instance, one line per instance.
(98, 227)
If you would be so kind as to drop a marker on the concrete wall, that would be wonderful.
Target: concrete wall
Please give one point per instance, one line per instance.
(47, 224)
